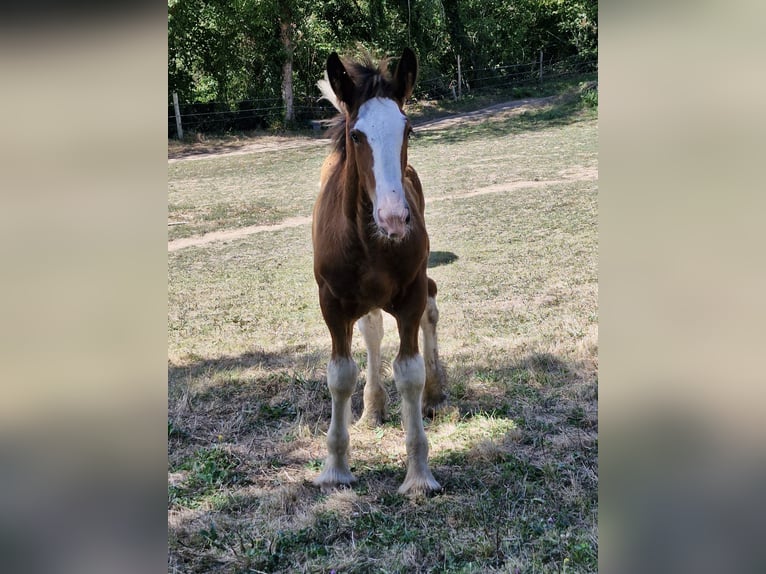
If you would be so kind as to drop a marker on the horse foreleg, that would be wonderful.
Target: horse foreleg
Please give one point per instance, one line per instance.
(409, 375)
(375, 397)
(341, 380)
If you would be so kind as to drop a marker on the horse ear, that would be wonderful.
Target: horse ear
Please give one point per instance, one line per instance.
(405, 75)
(340, 81)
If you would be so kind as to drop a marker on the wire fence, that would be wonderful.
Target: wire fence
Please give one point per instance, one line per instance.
(259, 113)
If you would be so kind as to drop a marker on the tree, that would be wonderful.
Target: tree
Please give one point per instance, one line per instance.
(201, 35)
(286, 31)
(275, 50)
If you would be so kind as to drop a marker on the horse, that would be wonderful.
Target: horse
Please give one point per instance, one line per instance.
(371, 253)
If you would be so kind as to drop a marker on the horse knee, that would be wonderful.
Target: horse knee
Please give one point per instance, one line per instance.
(341, 377)
(430, 315)
(410, 376)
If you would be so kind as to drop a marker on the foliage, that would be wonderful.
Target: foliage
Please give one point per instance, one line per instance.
(208, 470)
(228, 51)
(589, 95)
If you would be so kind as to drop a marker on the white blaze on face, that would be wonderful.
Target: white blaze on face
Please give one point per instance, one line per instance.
(383, 124)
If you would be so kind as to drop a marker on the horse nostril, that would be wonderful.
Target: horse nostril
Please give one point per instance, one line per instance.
(407, 218)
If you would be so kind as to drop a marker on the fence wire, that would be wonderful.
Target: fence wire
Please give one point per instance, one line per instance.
(260, 112)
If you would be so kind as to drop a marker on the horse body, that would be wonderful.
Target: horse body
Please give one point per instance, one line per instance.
(359, 267)
(371, 253)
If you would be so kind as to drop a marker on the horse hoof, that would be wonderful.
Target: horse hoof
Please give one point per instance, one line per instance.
(432, 405)
(370, 420)
(419, 485)
(332, 478)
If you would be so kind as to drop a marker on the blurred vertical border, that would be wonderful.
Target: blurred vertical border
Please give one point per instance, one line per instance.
(83, 170)
(682, 283)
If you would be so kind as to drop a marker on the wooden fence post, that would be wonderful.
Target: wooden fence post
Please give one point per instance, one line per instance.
(459, 79)
(541, 66)
(179, 129)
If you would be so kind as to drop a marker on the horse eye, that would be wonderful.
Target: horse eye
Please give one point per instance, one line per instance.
(355, 137)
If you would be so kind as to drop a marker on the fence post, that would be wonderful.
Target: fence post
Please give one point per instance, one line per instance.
(179, 129)
(541, 66)
(459, 79)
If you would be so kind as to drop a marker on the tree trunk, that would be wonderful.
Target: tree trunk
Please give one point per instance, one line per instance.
(287, 69)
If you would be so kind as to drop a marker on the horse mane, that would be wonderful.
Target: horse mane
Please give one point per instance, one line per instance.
(371, 80)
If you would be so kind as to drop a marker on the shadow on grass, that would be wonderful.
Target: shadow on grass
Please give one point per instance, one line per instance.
(519, 413)
(508, 489)
(507, 477)
(233, 398)
(199, 366)
(438, 258)
(539, 392)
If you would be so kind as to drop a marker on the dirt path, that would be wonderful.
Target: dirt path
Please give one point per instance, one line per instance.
(229, 234)
(496, 111)
(236, 146)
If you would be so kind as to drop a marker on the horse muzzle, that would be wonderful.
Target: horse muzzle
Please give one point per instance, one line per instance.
(394, 222)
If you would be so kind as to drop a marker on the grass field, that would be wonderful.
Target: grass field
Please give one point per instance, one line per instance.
(512, 215)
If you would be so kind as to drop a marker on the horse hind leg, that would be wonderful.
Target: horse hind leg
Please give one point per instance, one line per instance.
(436, 380)
(375, 397)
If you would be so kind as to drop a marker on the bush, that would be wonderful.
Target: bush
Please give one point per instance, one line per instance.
(589, 94)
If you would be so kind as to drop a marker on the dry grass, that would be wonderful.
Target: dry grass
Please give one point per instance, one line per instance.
(516, 449)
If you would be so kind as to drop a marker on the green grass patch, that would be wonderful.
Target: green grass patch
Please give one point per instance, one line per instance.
(239, 190)
(208, 471)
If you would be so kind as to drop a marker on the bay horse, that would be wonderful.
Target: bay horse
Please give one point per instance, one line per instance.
(371, 252)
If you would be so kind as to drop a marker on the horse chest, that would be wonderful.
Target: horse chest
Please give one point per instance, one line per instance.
(368, 287)
(377, 287)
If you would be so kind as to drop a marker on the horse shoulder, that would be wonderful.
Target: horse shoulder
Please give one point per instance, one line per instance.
(328, 203)
(330, 167)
